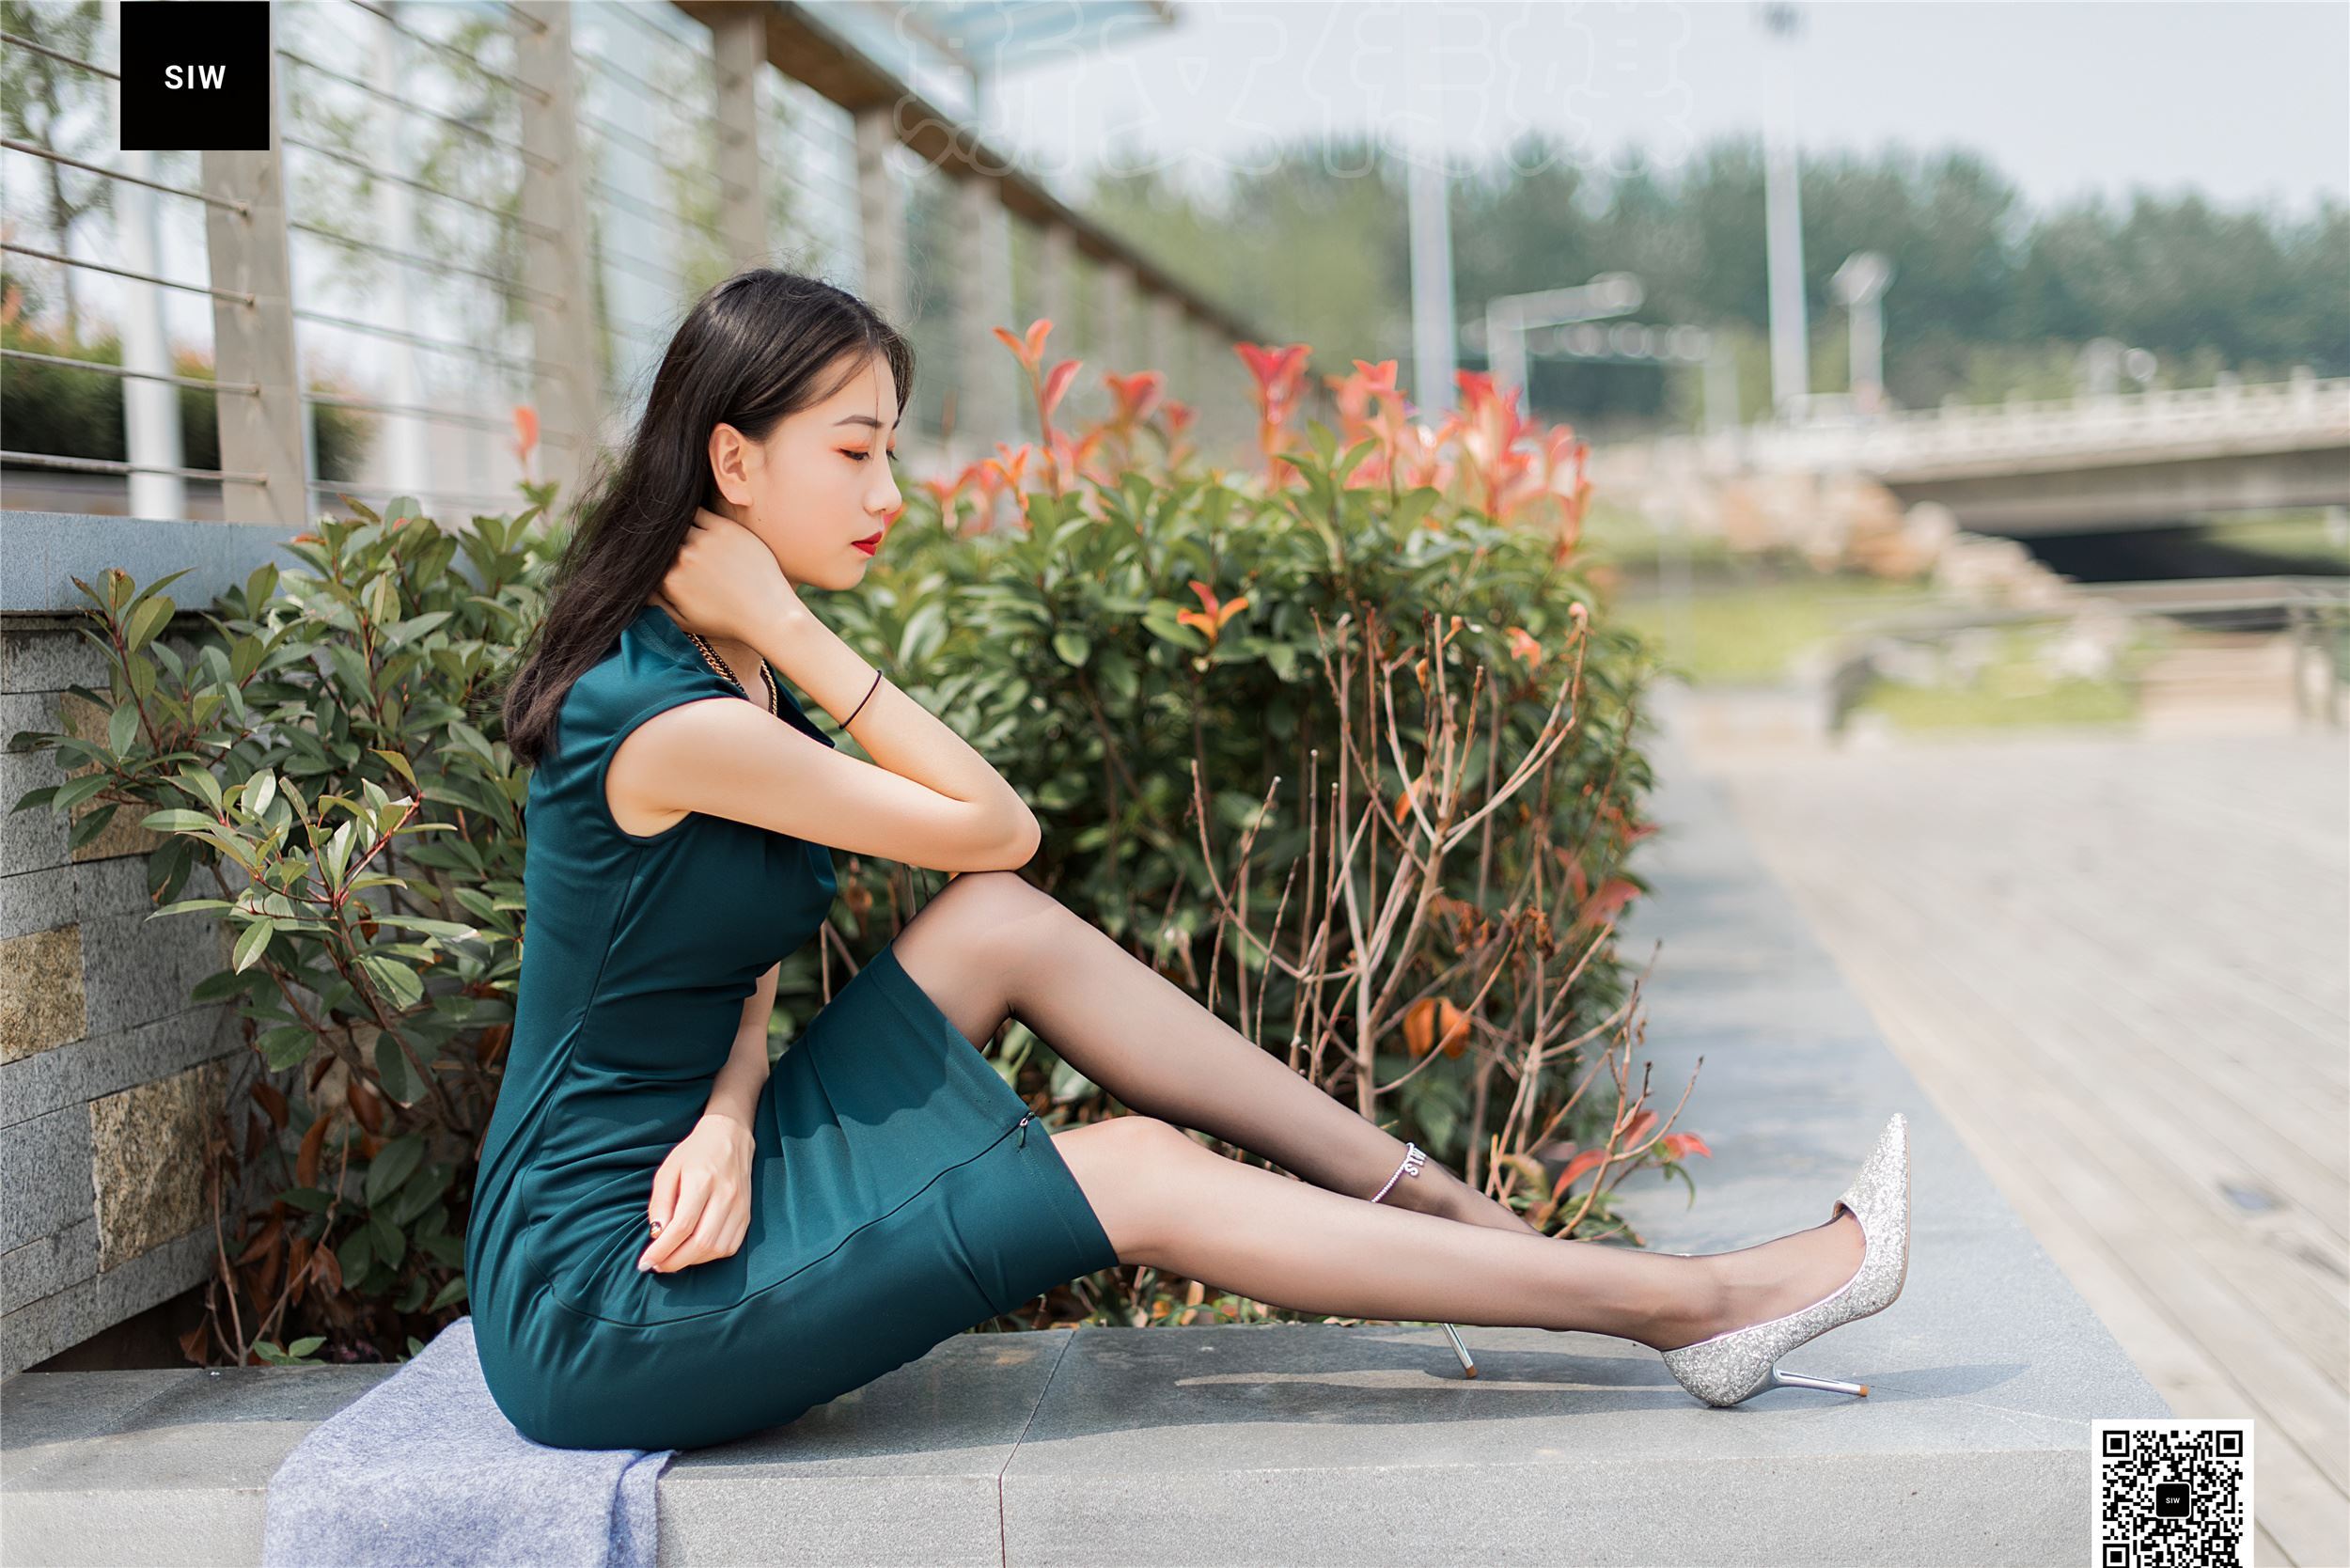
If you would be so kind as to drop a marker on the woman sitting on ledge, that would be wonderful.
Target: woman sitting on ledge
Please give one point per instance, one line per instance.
(673, 1247)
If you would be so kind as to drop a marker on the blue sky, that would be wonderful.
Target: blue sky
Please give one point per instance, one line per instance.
(2247, 103)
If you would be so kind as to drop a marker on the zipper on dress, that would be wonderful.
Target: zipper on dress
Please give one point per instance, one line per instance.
(561, 1299)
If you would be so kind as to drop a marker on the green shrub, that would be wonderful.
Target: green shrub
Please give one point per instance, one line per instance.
(1380, 646)
(321, 769)
(1387, 644)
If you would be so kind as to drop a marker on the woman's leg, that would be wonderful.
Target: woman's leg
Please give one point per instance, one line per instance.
(1165, 1200)
(992, 945)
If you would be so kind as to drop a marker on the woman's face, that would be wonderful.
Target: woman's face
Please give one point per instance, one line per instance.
(819, 483)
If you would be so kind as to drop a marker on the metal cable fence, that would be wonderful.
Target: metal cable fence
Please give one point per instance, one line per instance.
(421, 297)
(469, 209)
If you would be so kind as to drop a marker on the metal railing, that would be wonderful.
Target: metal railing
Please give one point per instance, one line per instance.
(263, 395)
(2305, 411)
(435, 318)
(468, 206)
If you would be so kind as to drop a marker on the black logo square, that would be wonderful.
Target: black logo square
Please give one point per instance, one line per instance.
(2169, 1500)
(196, 75)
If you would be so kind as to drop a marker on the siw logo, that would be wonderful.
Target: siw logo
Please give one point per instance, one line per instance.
(195, 73)
(209, 77)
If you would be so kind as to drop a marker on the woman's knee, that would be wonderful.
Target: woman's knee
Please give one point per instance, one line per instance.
(997, 891)
(967, 939)
(992, 911)
(999, 922)
(1129, 1168)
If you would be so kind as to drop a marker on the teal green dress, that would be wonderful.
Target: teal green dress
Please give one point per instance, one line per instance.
(900, 1193)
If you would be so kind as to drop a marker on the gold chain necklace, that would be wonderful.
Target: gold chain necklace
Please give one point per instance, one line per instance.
(721, 667)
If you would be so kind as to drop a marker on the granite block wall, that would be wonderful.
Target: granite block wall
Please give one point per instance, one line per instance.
(109, 1075)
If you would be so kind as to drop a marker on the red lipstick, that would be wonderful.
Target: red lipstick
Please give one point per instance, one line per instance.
(868, 544)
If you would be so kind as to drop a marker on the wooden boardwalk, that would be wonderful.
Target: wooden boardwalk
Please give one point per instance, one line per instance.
(2121, 967)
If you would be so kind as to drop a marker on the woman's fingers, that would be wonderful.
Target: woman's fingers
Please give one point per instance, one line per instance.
(725, 579)
(706, 1225)
(692, 1197)
(664, 1200)
(709, 1240)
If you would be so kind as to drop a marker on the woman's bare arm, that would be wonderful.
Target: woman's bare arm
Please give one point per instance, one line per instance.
(931, 802)
(736, 1090)
(895, 730)
(724, 757)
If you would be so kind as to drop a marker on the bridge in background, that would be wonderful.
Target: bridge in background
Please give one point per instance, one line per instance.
(2074, 465)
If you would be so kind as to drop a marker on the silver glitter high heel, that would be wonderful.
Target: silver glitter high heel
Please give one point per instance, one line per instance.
(1732, 1366)
(1414, 1158)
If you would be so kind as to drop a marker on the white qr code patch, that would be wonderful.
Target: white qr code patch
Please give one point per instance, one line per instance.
(2173, 1493)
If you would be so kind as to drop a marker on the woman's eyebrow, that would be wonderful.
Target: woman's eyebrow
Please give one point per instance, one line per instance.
(862, 419)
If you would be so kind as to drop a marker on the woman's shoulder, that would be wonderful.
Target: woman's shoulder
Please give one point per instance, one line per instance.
(641, 673)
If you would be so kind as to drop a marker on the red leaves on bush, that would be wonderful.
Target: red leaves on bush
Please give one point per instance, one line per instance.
(1211, 624)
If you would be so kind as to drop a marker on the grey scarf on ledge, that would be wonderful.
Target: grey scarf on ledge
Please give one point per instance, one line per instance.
(425, 1471)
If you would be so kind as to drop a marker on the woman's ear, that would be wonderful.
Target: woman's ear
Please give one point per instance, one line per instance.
(730, 459)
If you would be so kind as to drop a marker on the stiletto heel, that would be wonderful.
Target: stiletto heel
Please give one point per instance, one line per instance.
(1414, 1159)
(1742, 1362)
(1796, 1380)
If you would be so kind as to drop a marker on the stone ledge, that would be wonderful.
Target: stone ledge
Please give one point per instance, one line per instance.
(1314, 1443)
(1275, 1444)
(47, 550)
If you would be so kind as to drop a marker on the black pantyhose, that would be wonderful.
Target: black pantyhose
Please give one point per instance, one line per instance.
(992, 946)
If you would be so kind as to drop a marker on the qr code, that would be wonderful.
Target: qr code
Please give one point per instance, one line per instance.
(2173, 1493)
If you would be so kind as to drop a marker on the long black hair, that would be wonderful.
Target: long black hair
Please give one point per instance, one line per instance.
(759, 345)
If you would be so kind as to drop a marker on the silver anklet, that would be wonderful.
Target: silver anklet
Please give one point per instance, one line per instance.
(1412, 1159)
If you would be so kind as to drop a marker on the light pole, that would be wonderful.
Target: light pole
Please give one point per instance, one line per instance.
(1782, 207)
(1860, 284)
(1430, 224)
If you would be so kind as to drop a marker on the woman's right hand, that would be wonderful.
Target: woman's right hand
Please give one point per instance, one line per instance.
(724, 582)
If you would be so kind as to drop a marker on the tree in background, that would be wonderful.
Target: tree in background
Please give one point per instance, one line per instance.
(1992, 296)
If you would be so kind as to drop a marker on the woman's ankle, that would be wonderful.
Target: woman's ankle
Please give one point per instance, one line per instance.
(1699, 1305)
(1775, 1278)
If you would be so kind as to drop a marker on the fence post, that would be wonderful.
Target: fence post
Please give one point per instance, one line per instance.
(739, 53)
(989, 397)
(254, 341)
(881, 210)
(1211, 391)
(1162, 317)
(1114, 314)
(567, 382)
(2331, 647)
(1056, 269)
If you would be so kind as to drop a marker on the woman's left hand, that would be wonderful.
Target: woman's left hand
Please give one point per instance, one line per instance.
(701, 1196)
